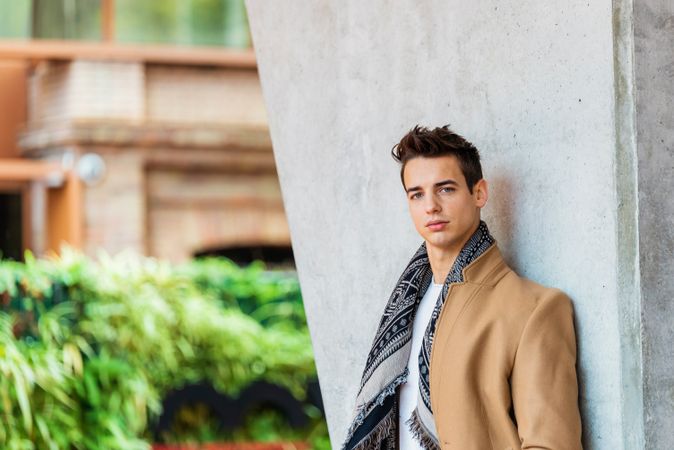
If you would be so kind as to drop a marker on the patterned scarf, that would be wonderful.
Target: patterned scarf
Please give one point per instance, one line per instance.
(375, 425)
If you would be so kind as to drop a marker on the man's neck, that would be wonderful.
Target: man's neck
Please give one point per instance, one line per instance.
(442, 259)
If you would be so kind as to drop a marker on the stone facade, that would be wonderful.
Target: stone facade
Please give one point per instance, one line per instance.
(188, 159)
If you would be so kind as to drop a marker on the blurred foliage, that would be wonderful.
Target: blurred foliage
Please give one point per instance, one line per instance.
(174, 22)
(196, 424)
(15, 19)
(66, 19)
(89, 348)
(183, 22)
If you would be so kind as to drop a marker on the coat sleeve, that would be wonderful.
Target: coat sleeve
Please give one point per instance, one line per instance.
(544, 381)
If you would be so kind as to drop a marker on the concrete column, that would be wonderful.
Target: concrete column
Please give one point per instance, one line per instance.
(654, 69)
(546, 91)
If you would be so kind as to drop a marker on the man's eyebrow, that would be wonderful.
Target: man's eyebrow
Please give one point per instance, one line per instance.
(447, 181)
(438, 184)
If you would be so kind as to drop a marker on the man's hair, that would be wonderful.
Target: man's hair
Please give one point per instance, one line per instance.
(440, 141)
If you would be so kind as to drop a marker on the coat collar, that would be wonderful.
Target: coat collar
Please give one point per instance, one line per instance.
(488, 268)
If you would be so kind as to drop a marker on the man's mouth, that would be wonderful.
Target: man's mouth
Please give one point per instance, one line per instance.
(436, 225)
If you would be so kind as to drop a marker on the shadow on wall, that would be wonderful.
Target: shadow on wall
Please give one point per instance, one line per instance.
(502, 209)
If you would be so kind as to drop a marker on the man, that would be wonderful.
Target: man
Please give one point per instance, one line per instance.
(468, 355)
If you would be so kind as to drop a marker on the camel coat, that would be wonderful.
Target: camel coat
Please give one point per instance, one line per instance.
(503, 363)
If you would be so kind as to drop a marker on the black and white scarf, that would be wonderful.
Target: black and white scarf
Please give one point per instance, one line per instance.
(375, 425)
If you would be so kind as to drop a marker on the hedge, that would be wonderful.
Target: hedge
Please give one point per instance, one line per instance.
(89, 347)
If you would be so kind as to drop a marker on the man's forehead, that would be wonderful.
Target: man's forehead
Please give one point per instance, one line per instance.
(424, 171)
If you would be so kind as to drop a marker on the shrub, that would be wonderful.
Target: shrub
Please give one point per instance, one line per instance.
(88, 348)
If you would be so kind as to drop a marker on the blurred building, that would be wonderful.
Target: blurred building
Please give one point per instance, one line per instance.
(108, 141)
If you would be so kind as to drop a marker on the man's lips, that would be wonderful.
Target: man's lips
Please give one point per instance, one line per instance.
(436, 225)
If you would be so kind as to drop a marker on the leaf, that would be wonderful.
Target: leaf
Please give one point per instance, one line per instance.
(72, 358)
(20, 388)
(93, 394)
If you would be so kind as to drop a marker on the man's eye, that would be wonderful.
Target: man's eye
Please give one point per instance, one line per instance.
(447, 189)
(415, 196)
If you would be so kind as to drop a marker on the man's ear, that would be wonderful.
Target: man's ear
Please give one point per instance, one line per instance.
(481, 192)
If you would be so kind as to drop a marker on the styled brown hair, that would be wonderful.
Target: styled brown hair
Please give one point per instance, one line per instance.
(440, 141)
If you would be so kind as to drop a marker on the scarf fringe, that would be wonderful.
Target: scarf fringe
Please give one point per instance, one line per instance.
(420, 433)
(378, 433)
(367, 407)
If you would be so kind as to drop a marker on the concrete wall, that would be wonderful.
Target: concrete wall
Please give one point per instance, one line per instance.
(654, 69)
(543, 88)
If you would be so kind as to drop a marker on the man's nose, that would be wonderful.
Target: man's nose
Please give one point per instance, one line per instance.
(432, 205)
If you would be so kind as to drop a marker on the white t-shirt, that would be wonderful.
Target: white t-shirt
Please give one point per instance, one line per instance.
(410, 390)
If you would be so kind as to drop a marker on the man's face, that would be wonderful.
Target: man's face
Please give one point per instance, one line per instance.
(444, 211)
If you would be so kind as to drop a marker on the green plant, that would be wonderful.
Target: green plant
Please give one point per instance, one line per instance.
(89, 347)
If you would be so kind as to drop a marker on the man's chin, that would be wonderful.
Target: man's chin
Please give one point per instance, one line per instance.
(440, 242)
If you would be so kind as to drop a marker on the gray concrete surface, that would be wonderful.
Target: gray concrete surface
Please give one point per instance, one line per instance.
(626, 210)
(654, 69)
(544, 90)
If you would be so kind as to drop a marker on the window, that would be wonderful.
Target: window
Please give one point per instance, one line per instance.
(11, 233)
(280, 257)
(172, 22)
